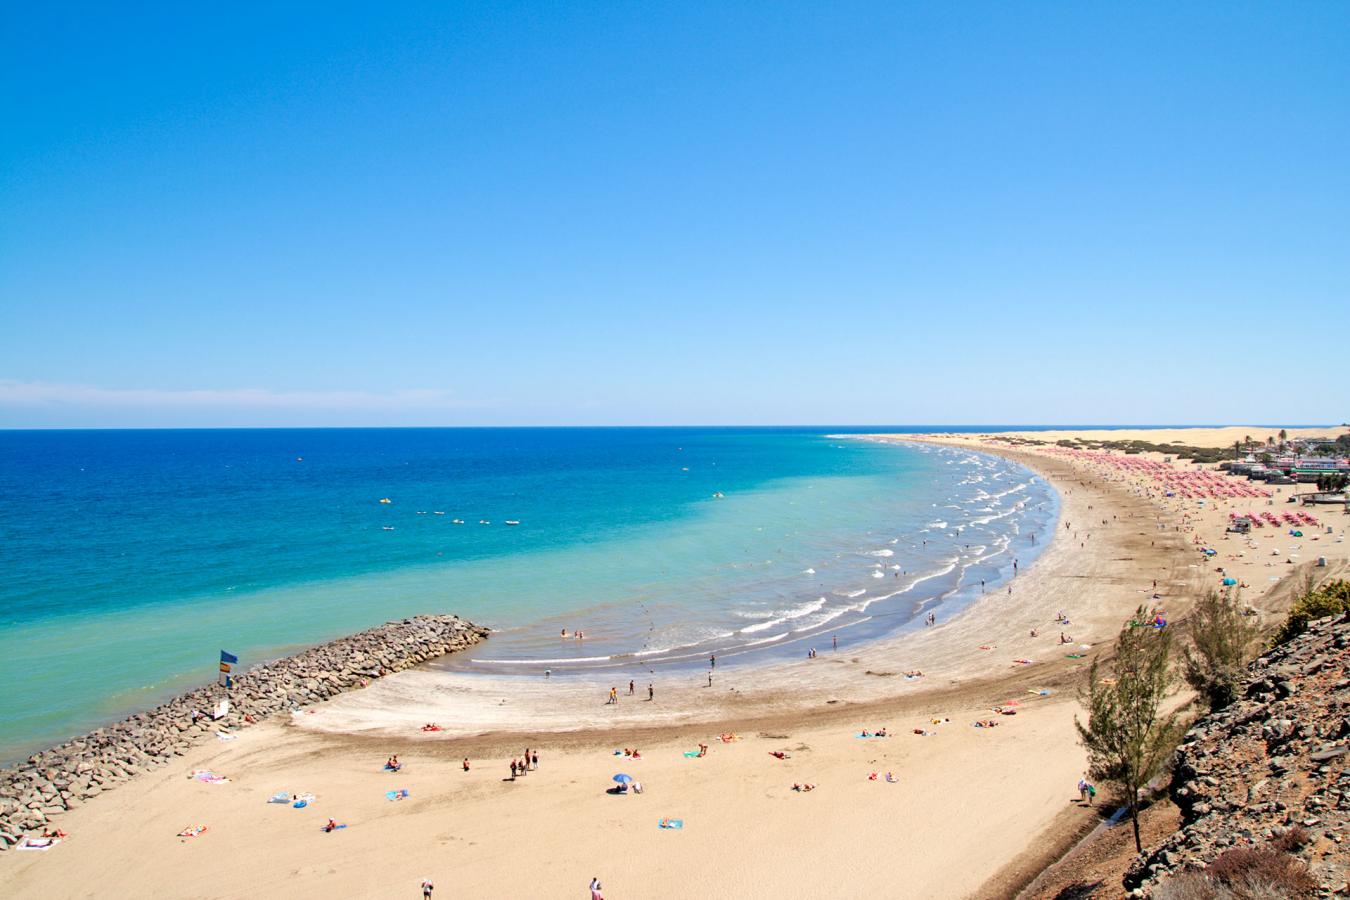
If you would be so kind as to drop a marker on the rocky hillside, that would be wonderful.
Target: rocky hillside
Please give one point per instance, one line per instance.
(1268, 775)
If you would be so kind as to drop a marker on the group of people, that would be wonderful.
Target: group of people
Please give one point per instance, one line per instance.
(519, 766)
(632, 687)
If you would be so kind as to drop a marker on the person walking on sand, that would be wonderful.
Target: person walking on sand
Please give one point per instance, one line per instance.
(630, 687)
(534, 758)
(595, 890)
(613, 695)
(466, 764)
(427, 888)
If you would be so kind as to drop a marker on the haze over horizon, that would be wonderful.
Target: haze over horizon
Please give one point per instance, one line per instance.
(322, 215)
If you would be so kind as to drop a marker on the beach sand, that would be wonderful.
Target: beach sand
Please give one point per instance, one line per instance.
(969, 801)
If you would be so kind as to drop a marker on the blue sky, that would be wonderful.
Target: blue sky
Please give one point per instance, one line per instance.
(635, 213)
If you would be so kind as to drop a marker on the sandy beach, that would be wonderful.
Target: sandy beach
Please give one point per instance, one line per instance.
(967, 802)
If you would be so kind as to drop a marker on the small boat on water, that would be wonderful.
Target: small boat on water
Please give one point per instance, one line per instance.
(438, 512)
(484, 522)
(389, 528)
(385, 500)
(718, 495)
(456, 521)
(512, 521)
(421, 512)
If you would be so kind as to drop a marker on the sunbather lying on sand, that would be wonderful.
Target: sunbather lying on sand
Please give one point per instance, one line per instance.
(392, 764)
(803, 788)
(986, 723)
(892, 779)
(780, 754)
(431, 726)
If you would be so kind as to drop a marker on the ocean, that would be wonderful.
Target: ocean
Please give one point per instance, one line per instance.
(131, 558)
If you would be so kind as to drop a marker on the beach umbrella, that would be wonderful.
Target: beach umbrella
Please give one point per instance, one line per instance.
(623, 779)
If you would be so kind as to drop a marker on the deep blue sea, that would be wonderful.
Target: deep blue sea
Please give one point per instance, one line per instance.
(131, 558)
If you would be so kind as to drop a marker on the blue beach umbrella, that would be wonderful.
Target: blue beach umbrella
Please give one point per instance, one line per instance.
(623, 779)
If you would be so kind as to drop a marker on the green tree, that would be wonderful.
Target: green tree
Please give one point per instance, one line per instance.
(1283, 436)
(1221, 638)
(1127, 736)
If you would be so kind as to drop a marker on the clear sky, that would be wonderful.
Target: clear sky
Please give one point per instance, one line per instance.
(641, 213)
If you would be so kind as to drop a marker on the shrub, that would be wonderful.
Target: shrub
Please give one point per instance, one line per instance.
(1221, 636)
(1247, 873)
(1330, 599)
(1256, 872)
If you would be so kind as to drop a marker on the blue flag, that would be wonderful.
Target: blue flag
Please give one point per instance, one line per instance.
(228, 657)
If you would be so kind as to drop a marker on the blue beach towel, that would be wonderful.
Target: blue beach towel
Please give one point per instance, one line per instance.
(672, 824)
(395, 795)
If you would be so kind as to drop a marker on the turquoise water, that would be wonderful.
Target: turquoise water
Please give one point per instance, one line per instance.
(133, 557)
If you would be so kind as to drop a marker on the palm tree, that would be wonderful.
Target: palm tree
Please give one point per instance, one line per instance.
(1237, 449)
(1283, 434)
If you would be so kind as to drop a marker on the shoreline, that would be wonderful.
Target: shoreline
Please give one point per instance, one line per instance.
(983, 799)
(61, 778)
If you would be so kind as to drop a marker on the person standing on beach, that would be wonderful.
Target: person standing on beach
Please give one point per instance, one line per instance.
(630, 687)
(613, 695)
(710, 679)
(466, 764)
(427, 888)
(712, 660)
(534, 758)
(651, 694)
(835, 639)
(595, 890)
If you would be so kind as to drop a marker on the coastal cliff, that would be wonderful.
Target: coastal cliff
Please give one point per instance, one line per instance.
(1264, 782)
(53, 781)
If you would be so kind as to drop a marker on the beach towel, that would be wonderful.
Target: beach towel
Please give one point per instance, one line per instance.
(192, 831)
(673, 824)
(325, 828)
(38, 843)
(279, 797)
(396, 795)
(1073, 656)
(389, 768)
(208, 777)
(225, 736)
(690, 754)
(302, 801)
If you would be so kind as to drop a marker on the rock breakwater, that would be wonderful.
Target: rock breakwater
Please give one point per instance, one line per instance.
(53, 781)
